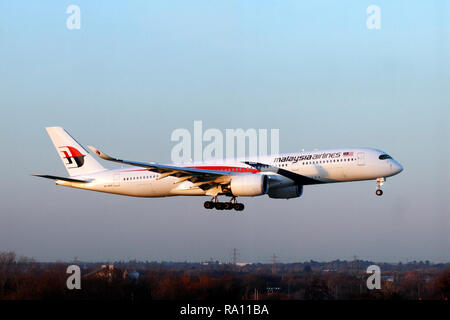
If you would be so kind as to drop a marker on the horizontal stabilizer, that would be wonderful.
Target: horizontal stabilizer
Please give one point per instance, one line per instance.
(62, 178)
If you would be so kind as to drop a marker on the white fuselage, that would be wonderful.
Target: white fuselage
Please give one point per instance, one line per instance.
(323, 166)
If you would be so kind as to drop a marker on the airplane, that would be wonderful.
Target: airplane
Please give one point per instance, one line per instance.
(281, 176)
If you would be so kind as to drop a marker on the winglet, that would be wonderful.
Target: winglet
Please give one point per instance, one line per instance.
(101, 154)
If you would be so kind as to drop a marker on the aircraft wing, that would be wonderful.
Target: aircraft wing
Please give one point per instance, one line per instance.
(297, 178)
(205, 179)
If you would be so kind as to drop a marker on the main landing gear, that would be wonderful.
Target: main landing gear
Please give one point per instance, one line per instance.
(233, 204)
(380, 182)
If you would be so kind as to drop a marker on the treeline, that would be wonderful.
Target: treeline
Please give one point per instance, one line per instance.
(22, 278)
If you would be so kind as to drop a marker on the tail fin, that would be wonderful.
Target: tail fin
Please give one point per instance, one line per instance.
(75, 158)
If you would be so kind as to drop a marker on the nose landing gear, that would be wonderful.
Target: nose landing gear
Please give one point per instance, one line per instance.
(380, 182)
(232, 204)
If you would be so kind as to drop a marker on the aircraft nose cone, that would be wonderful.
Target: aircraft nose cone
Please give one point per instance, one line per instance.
(396, 167)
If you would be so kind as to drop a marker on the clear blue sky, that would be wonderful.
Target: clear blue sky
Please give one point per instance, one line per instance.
(136, 71)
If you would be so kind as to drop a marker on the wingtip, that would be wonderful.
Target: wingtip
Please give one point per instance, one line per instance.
(99, 153)
(94, 150)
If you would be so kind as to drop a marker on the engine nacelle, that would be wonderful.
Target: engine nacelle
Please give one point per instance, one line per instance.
(249, 185)
(294, 191)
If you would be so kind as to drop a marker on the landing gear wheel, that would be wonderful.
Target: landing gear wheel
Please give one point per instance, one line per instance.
(208, 204)
(220, 205)
(239, 206)
(228, 206)
(380, 182)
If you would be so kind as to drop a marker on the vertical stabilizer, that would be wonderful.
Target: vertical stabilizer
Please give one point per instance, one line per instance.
(74, 157)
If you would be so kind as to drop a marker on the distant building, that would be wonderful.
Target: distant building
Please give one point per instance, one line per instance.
(243, 264)
(272, 290)
(105, 272)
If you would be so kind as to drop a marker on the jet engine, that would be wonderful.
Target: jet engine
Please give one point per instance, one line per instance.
(288, 192)
(249, 185)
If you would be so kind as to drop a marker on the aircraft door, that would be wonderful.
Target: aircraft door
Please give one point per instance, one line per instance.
(116, 180)
(361, 159)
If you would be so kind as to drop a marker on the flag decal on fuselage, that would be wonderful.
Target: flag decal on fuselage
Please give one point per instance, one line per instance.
(348, 154)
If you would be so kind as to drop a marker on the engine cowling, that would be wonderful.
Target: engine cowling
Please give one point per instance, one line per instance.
(289, 192)
(249, 185)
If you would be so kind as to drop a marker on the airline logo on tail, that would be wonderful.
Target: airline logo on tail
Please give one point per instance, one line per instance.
(73, 156)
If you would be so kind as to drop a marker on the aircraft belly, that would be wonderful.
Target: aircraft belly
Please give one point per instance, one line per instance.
(325, 174)
(359, 173)
(186, 188)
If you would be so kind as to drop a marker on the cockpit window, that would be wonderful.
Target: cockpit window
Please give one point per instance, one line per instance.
(384, 157)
